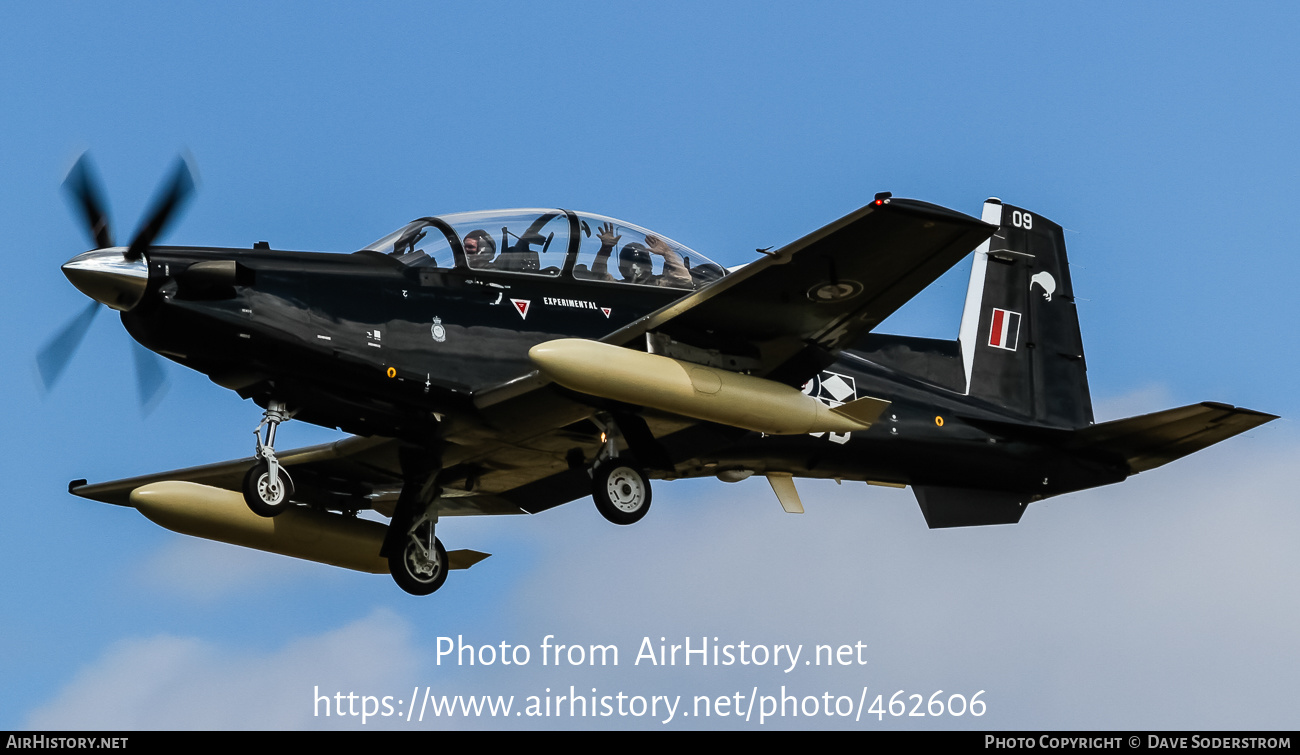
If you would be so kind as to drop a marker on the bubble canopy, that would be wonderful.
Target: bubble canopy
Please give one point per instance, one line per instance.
(549, 243)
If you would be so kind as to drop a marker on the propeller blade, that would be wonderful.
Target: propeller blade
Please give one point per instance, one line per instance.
(164, 208)
(84, 188)
(54, 356)
(151, 381)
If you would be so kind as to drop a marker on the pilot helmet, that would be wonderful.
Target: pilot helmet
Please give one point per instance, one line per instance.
(634, 263)
(706, 273)
(486, 247)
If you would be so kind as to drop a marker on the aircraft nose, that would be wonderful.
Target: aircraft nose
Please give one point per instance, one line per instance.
(107, 276)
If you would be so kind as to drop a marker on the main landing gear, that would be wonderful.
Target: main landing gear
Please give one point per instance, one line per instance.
(267, 488)
(420, 566)
(416, 558)
(619, 486)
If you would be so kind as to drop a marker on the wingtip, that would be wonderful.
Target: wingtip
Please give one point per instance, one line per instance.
(1264, 416)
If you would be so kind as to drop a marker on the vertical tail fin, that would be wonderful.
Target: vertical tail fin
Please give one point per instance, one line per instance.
(1020, 341)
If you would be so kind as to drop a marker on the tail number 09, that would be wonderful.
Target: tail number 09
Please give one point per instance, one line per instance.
(1022, 219)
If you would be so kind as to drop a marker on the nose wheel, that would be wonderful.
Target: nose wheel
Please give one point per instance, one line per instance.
(267, 488)
(621, 491)
(267, 493)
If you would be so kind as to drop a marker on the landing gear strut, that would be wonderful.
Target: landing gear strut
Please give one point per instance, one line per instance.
(267, 487)
(619, 486)
(416, 558)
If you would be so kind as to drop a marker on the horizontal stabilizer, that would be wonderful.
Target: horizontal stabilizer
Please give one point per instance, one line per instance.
(1150, 440)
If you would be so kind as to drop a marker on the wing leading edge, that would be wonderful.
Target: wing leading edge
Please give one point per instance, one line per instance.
(353, 473)
(787, 315)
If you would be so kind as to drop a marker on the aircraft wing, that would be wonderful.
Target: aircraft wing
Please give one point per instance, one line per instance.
(365, 470)
(521, 461)
(228, 475)
(788, 314)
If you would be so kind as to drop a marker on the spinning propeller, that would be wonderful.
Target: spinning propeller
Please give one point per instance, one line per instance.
(112, 275)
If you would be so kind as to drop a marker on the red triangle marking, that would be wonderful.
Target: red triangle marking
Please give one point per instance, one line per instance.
(606, 310)
(522, 306)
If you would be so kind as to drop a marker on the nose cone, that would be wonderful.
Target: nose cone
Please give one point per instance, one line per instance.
(107, 276)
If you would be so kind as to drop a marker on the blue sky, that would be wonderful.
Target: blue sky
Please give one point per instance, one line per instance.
(1163, 142)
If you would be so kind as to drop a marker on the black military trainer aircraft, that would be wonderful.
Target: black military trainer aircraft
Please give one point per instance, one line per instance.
(508, 362)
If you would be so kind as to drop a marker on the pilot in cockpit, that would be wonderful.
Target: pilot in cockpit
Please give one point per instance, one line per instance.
(479, 249)
(600, 266)
(675, 274)
(635, 262)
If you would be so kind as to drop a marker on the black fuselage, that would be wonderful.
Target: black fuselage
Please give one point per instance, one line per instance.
(366, 344)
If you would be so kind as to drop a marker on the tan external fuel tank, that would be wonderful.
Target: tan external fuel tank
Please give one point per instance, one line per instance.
(217, 514)
(692, 390)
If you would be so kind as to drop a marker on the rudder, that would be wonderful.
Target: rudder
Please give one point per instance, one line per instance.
(1020, 339)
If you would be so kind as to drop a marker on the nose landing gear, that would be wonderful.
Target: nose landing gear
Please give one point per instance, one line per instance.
(268, 490)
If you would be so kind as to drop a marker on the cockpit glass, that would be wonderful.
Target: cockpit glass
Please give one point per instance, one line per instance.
(417, 244)
(516, 241)
(536, 242)
(620, 252)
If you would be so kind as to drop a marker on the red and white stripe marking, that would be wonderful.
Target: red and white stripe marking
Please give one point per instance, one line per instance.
(1005, 329)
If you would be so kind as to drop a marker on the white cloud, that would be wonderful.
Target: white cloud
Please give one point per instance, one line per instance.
(1166, 601)
(166, 682)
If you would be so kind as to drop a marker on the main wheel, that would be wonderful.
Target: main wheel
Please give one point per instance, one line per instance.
(621, 491)
(415, 572)
(267, 497)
